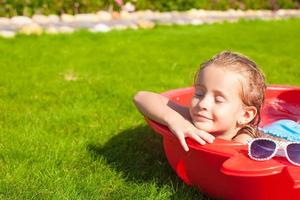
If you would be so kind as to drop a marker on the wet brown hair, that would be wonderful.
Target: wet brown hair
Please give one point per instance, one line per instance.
(252, 84)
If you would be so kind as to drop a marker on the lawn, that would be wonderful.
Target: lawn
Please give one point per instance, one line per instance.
(68, 127)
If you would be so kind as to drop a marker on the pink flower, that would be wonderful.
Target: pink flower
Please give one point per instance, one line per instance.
(119, 2)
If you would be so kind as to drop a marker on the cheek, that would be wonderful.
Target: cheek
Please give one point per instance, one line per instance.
(227, 113)
(191, 110)
(194, 102)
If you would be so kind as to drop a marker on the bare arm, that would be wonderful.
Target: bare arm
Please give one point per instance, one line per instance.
(175, 116)
(159, 108)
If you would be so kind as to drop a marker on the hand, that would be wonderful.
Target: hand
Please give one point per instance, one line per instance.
(183, 128)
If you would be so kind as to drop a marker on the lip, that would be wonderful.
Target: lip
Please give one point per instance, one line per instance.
(201, 117)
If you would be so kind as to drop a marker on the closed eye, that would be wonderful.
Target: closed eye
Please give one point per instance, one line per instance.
(220, 99)
(199, 94)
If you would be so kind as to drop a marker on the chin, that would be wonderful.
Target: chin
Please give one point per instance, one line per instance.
(204, 126)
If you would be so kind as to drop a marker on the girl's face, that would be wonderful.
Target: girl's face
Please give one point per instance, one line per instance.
(216, 105)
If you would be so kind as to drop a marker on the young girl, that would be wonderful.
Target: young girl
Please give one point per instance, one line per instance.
(229, 92)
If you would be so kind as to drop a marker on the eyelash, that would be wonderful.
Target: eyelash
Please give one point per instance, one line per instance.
(216, 98)
(219, 101)
(198, 95)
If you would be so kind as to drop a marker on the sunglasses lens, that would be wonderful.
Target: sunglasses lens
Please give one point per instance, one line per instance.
(293, 151)
(262, 149)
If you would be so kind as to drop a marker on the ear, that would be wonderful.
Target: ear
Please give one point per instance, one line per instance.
(247, 115)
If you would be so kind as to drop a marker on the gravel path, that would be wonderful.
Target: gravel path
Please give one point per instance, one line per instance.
(103, 21)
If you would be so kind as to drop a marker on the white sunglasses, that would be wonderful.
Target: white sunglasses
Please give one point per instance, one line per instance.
(265, 148)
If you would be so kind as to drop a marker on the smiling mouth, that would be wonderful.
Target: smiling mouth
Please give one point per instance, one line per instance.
(201, 117)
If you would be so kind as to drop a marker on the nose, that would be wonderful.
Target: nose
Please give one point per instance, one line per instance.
(203, 103)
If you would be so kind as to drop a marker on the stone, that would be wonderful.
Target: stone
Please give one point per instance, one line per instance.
(40, 19)
(180, 22)
(196, 22)
(86, 18)
(100, 28)
(196, 13)
(4, 21)
(240, 13)
(53, 18)
(165, 15)
(165, 23)
(234, 20)
(21, 20)
(294, 13)
(7, 34)
(65, 29)
(31, 29)
(128, 7)
(119, 27)
(115, 15)
(175, 13)
(127, 19)
(51, 30)
(125, 15)
(146, 13)
(133, 26)
(281, 12)
(145, 24)
(104, 16)
(67, 18)
(250, 13)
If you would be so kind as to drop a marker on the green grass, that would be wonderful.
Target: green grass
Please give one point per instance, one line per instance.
(68, 127)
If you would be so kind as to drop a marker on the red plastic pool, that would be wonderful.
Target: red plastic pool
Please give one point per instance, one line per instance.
(223, 170)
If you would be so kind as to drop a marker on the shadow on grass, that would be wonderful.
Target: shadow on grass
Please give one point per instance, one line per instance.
(138, 153)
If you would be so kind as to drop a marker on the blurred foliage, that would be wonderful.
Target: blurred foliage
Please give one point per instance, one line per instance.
(29, 7)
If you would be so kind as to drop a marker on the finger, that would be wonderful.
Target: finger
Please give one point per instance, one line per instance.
(183, 142)
(205, 136)
(197, 138)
